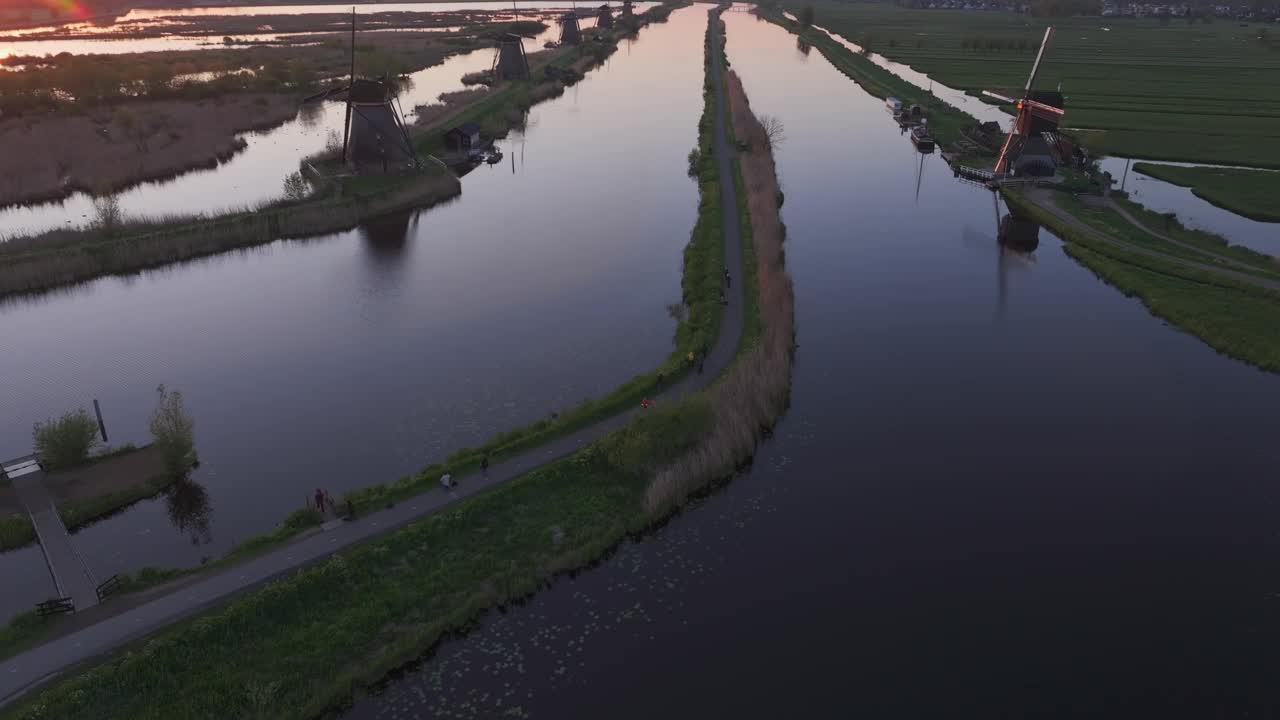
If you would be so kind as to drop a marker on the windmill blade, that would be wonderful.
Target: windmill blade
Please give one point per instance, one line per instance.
(990, 94)
(1044, 45)
(1042, 109)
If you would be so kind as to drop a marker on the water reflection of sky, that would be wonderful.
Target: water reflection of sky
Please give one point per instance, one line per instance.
(351, 359)
(961, 508)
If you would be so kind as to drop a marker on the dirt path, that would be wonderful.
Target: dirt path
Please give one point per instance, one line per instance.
(1138, 224)
(116, 626)
(1043, 198)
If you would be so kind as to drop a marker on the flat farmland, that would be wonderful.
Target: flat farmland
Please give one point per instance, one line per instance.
(1175, 90)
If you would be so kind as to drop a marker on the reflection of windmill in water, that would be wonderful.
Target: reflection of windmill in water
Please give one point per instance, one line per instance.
(920, 175)
(1016, 240)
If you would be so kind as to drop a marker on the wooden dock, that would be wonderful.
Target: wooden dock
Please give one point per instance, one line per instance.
(71, 576)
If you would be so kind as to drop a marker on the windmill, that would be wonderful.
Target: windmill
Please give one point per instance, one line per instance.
(510, 63)
(374, 135)
(604, 17)
(1026, 150)
(570, 33)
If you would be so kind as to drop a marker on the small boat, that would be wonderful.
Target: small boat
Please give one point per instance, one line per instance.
(894, 105)
(921, 138)
(494, 157)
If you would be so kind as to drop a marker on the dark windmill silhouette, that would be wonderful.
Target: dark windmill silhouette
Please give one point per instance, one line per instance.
(627, 11)
(510, 62)
(570, 32)
(1029, 148)
(374, 137)
(604, 17)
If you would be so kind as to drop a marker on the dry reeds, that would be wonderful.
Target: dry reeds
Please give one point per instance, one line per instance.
(188, 238)
(755, 392)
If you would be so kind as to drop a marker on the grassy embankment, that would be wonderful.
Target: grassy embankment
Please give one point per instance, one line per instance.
(945, 122)
(72, 493)
(1236, 318)
(302, 645)
(1254, 194)
(1204, 247)
(16, 529)
(1197, 92)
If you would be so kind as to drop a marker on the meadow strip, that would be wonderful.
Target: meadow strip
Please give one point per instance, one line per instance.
(1254, 194)
(1235, 318)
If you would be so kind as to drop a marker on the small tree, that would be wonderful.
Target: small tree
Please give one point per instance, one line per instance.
(174, 432)
(296, 187)
(107, 215)
(67, 441)
(773, 134)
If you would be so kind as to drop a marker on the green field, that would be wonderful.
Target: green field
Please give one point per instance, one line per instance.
(1251, 193)
(1198, 92)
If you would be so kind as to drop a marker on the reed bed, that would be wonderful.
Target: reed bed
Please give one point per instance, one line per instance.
(756, 390)
(97, 255)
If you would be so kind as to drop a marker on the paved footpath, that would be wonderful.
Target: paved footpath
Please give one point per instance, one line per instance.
(24, 672)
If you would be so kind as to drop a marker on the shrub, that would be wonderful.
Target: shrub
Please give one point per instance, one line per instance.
(67, 441)
(173, 430)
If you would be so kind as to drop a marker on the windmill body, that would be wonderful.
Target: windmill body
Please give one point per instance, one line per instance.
(1033, 141)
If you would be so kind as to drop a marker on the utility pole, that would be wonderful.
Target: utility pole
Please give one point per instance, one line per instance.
(351, 86)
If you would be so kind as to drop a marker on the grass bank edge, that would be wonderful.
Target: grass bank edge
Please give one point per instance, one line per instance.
(1235, 318)
(593, 497)
(1206, 183)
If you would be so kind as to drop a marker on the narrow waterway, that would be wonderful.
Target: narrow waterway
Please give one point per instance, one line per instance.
(1053, 506)
(348, 360)
(1157, 195)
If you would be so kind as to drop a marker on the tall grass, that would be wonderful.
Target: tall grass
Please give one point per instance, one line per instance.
(754, 393)
(16, 530)
(65, 261)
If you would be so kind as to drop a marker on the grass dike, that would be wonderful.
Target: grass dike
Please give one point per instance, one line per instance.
(1254, 194)
(1238, 319)
(301, 646)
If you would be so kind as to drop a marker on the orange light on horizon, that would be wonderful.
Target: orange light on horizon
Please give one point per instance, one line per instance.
(72, 8)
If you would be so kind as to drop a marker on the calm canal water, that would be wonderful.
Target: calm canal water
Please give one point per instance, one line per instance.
(1058, 508)
(353, 359)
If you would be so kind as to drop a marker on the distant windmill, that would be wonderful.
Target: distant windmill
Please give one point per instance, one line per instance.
(604, 17)
(510, 63)
(1026, 150)
(570, 32)
(374, 136)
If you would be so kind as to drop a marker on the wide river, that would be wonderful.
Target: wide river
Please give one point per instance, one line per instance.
(1050, 506)
(352, 359)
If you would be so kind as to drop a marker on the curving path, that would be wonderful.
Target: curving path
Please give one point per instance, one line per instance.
(101, 634)
(1044, 199)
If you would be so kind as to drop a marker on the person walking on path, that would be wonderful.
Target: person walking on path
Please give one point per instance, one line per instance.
(319, 501)
(484, 465)
(727, 281)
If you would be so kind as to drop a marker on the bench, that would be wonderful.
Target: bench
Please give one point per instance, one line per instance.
(56, 606)
(108, 587)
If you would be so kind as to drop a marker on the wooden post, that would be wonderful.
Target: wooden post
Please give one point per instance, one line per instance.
(346, 126)
(102, 427)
